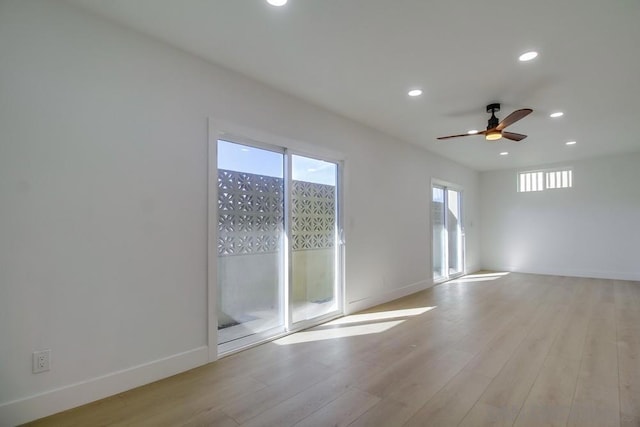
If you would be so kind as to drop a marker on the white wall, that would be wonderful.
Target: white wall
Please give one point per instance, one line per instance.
(103, 213)
(589, 230)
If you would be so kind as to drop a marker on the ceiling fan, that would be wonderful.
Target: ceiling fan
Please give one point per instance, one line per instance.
(495, 129)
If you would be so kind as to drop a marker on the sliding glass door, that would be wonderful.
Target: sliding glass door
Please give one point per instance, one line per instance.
(314, 255)
(454, 233)
(439, 234)
(447, 232)
(278, 265)
(251, 251)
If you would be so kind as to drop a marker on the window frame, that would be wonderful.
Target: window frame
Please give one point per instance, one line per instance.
(547, 175)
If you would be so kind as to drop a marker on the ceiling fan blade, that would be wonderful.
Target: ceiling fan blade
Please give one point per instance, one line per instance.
(457, 136)
(514, 117)
(513, 136)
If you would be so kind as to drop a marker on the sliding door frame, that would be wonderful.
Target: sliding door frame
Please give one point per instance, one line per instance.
(231, 132)
(455, 187)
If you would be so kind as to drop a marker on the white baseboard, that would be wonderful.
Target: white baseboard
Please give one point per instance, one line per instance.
(364, 303)
(63, 398)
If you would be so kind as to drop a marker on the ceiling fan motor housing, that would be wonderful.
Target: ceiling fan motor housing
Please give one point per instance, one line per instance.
(493, 109)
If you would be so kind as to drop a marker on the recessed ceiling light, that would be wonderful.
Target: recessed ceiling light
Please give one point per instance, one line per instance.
(415, 92)
(556, 114)
(277, 2)
(472, 132)
(528, 56)
(504, 153)
(571, 143)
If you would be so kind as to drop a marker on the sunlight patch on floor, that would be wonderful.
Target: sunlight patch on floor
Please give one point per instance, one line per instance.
(368, 323)
(333, 333)
(380, 315)
(479, 277)
(491, 274)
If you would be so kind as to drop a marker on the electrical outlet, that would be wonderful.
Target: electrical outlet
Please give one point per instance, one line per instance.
(41, 361)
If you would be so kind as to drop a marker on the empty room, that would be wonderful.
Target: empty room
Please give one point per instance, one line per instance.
(319, 213)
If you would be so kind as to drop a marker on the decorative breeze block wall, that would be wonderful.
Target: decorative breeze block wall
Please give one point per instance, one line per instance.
(251, 214)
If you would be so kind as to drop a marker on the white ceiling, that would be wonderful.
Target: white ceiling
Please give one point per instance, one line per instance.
(360, 57)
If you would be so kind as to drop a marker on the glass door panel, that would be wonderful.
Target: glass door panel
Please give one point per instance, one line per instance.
(439, 233)
(454, 233)
(314, 247)
(250, 243)
(447, 234)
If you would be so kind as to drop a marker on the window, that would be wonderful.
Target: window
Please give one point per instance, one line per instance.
(559, 179)
(545, 180)
(530, 181)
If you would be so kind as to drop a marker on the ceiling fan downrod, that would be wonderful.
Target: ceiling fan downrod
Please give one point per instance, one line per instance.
(493, 120)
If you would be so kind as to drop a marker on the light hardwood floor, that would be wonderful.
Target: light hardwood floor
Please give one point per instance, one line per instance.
(515, 349)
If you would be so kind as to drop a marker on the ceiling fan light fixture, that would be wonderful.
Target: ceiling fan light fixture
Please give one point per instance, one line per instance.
(493, 135)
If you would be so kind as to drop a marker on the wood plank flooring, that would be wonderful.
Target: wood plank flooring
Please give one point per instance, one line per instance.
(487, 349)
